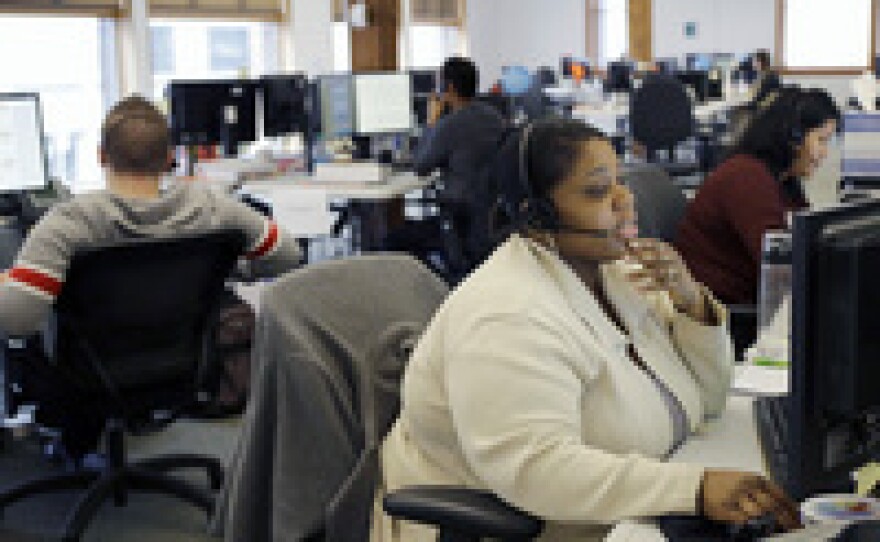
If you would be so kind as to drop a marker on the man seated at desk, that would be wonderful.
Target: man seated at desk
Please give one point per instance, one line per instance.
(462, 136)
(135, 152)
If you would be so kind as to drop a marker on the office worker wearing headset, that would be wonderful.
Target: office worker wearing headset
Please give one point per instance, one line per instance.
(754, 190)
(564, 371)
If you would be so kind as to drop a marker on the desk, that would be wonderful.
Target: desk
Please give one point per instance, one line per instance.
(371, 203)
(729, 442)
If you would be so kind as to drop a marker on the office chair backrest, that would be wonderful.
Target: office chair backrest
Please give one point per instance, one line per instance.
(332, 342)
(661, 113)
(660, 203)
(140, 309)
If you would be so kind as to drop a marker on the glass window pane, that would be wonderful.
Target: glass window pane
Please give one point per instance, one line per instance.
(827, 33)
(163, 49)
(341, 47)
(614, 30)
(71, 62)
(215, 50)
(430, 45)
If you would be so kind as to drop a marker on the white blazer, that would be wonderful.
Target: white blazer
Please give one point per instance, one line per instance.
(522, 385)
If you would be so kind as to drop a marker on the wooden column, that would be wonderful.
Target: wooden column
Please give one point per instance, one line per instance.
(640, 30)
(374, 48)
(592, 45)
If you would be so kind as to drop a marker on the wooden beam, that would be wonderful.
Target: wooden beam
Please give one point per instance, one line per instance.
(374, 48)
(640, 30)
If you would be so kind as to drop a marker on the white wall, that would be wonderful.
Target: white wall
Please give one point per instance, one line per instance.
(525, 32)
(723, 26)
(312, 31)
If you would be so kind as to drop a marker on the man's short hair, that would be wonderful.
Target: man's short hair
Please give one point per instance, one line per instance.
(462, 74)
(135, 137)
(762, 57)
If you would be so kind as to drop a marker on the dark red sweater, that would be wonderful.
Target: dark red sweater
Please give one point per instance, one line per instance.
(721, 233)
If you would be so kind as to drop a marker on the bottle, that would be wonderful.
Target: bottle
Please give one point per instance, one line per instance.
(774, 300)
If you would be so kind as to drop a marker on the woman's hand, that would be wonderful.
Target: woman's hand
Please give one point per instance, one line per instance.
(737, 497)
(663, 269)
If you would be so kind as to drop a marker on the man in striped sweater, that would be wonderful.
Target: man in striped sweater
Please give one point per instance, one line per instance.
(135, 152)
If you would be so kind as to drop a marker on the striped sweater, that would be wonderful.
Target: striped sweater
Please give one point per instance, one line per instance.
(102, 218)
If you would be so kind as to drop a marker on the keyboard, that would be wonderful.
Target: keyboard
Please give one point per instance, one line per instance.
(771, 415)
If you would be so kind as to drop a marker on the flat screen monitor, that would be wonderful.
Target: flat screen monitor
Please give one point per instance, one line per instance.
(619, 77)
(337, 105)
(424, 82)
(285, 104)
(212, 112)
(382, 103)
(22, 145)
(834, 406)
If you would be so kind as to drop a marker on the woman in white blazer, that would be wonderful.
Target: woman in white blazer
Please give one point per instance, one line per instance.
(564, 370)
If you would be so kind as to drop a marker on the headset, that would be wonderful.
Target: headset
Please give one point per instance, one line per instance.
(539, 212)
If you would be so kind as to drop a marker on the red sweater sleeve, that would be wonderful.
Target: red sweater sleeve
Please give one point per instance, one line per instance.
(753, 204)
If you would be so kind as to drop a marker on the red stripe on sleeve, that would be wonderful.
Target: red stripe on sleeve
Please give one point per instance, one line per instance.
(40, 281)
(268, 243)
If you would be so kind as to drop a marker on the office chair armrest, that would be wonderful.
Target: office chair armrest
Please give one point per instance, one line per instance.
(462, 510)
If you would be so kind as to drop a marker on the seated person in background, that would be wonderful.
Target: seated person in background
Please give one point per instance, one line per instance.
(767, 78)
(754, 190)
(461, 138)
(135, 152)
(565, 370)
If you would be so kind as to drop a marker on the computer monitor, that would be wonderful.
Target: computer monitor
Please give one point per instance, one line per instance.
(834, 404)
(697, 80)
(565, 64)
(22, 144)
(286, 107)
(619, 77)
(336, 98)
(515, 80)
(212, 112)
(424, 82)
(382, 103)
(666, 65)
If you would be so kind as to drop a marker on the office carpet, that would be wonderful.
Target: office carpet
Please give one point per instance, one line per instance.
(145, 518)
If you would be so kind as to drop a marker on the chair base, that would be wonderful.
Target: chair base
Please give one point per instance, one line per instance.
(117, 480)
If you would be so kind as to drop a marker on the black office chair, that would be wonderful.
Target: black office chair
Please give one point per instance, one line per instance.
(661, 118)
(134, 320)
(660, 203)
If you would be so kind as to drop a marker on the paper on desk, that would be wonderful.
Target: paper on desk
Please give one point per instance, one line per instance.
(756, 380)
(303, 212)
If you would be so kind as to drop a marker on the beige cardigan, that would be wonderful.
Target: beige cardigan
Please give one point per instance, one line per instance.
(522, 385)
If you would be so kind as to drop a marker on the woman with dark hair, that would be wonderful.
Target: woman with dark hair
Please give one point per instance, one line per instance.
(754, 190)
(563, 372)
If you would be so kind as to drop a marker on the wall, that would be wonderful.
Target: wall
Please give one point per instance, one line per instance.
(527, 32)
(311, 29)
(723, 26)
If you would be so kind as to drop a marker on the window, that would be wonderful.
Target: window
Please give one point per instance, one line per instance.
(430, 44)
(193, 49)
(613, 30)
(827, 33)
(163, 50)
(71, 62)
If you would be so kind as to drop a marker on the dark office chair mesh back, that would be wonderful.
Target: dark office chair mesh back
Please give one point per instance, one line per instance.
(661, 113)
(140, 310)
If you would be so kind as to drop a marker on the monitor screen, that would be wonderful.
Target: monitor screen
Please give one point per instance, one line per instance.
(22, 151)
(337, 105)
(211, 112)
(698, 81)
(423, 82)
(285, 104)
(833, 405)
(619, 77)
(383, 103)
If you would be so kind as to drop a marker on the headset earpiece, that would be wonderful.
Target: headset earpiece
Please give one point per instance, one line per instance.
(539, 213)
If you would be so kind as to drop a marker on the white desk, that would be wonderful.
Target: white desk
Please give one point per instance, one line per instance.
(397, 186)
(728, 442)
